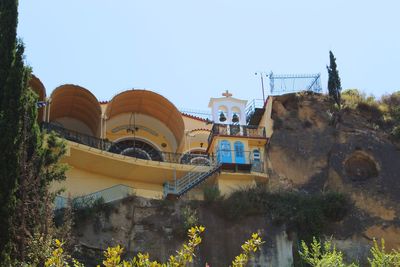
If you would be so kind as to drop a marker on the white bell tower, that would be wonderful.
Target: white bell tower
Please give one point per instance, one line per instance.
(228, 110)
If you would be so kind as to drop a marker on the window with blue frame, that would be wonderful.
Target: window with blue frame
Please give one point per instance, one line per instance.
(239, 153)
(224, 152)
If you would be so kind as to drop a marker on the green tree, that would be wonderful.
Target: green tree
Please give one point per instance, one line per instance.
(334, 85)
(13, 80)
(28, 158)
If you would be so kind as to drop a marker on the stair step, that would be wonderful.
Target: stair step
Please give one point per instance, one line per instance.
(188, 182)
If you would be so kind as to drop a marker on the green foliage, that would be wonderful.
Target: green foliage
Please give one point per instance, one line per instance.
(248, 248)
(396, 132)
(27, 164)
(189, 217)
(380, 258)
(59, 259)
(326, 255)
(334, 84)
(183, 257)
(211, 194)
(351, 98)
(86, 207)
(11, 115)
(322, 255)
(306, 214)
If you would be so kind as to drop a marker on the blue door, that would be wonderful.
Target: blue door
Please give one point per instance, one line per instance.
(239, 153)
(224, 152)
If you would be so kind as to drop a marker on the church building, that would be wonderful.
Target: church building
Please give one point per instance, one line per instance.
(140, 143)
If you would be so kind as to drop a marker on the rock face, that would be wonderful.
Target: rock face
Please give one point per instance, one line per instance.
(314, 150)
(157, 227)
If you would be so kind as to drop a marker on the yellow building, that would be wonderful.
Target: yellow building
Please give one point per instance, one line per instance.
(140, 142)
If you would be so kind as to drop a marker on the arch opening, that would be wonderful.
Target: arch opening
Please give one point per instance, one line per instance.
(136, 149)
(360, 166)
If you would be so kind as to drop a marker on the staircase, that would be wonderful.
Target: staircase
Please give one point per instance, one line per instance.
(180, 186)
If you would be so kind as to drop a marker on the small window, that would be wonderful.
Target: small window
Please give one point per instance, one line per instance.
(256, 155)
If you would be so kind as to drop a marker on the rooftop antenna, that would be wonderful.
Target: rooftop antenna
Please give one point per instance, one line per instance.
(261, 73)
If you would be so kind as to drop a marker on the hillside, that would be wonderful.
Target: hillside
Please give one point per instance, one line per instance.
(314, 150)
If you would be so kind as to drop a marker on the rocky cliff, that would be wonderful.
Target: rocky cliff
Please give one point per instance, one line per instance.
(314, 149)
(158, 227)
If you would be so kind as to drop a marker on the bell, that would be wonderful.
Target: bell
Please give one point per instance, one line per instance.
(222, 117)
(235, 118)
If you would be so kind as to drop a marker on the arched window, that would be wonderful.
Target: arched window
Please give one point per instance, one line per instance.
(235, 115)
(137, 149)
(222, 113)
(195, 157)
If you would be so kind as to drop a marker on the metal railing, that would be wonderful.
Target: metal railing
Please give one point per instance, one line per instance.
(294, 83)
(102, 144)
(116, 192)
(252, 105)
(177, 158)
(189, 181)
(78, 137)
(236, 130)
(240, 157)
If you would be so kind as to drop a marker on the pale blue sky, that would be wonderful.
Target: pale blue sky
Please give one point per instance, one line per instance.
(191, 50)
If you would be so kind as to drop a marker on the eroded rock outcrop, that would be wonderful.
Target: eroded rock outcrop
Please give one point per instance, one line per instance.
(313, 149)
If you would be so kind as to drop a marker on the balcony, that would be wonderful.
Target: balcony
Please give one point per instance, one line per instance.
(112, 147)
(236, 130)
(237, 159)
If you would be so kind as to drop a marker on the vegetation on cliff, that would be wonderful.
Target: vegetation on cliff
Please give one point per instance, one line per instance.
(183, 257)
(305, 214)
(383, 113)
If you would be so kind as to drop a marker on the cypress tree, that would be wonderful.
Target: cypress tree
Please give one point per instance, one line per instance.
(28, 158)
(13, 79)
(334, 84)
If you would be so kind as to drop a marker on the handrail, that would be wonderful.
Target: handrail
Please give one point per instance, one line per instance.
(105, 145)
(188, 181)
(110, 194)
(237, 130)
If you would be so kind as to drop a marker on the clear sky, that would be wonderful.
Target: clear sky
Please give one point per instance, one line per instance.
(191, 50)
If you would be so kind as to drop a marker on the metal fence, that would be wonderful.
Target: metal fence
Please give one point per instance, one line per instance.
(177, 158)
(102, 144)
(294, 83)
(107, 195)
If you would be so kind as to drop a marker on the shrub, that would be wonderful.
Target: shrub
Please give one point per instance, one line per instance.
(183, 257)
(211, 194)
(372, 111)
(322, 255)
(306, 214)
(325, 255)
(396, 132)
(351, 98)
(189, 218)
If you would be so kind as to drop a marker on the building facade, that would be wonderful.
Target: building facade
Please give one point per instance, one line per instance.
(141, 141)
